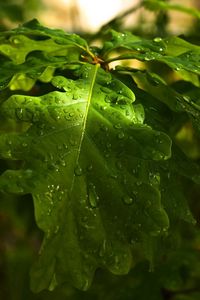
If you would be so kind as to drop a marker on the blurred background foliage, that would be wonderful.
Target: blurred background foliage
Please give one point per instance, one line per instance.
(179, 276)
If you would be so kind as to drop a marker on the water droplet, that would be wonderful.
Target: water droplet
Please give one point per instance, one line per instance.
(114, 176)
(127, 200)
(89, 168)
(138, 183)
(107, 99)
(93, 197)
(73, 142)
(121, 135)
(117, 126)
(154, 178)
(16, 41)
(104, 128)
(19, 113)
(65, 146)
(49, 211)
(103, 107)
(24, 145)
(119, 164)
(106, 155)
(85, 285)
(157, 39)
(134, 171)
(102, 249)
(78, 171)
(108, 145)
(56, 229)
(186, 98)
(62, 162)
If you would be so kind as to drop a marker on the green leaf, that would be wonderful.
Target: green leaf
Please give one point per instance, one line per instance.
(174, 52)
(81, 149)
(156, 87)
(162, 5)
(37, 66)
(160, 109)
(18, 43)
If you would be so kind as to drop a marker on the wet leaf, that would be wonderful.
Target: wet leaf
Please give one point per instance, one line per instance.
(82, 156)
(173, 51)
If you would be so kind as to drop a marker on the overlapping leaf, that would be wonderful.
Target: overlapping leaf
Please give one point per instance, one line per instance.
(177, 102)
(163, 107)
(174, 52)
(81, 156)
(29, 49)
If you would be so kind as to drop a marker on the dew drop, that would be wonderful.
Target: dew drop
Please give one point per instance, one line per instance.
(138, 183)
(78, 171)
(107, 155)
(121, 135)
(104, 128)
(49, 212)
(127, 200)
(19, 113)
(108, 145)
(114, 176)
(93, 197)
(157, 39)
(63, 163)
(16, 41)
(56, 229)
(107, 99)
(186, 98)
(119, 164)
(65, 146)
(89, 168)
(117, 126)
(73, 142)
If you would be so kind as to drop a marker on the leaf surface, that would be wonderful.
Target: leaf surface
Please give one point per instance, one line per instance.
(81, 156)
(173, 51)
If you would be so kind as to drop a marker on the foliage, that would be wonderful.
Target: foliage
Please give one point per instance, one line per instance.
(103, 154)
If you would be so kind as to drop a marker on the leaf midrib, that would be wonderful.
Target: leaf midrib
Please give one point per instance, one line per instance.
(85, 119)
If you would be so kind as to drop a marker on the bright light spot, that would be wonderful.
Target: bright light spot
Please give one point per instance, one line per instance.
(96, 13)
(83, 15)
